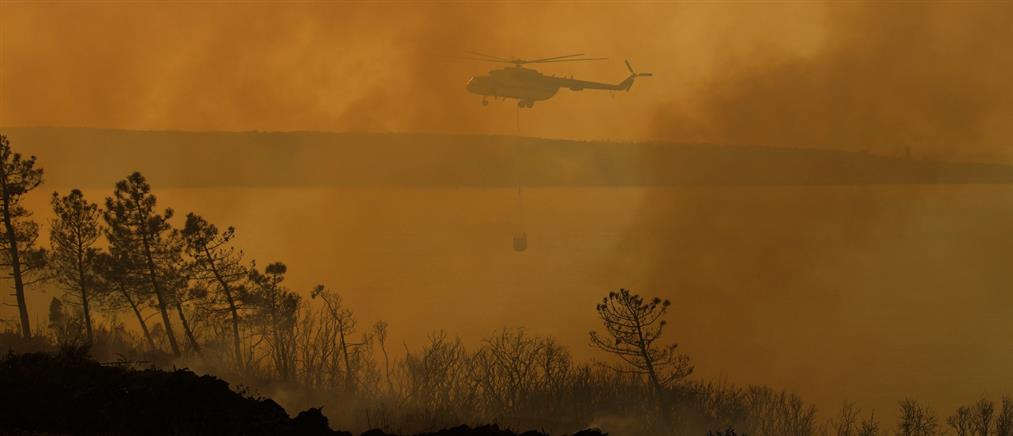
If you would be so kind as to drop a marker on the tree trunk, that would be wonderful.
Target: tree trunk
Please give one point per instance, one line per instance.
(349, 381)
(281, 347)
(232, 306)
(644, 354)
(280, 358)
(659, 391)
(84, 294)
(140, 318)
(186, 328)
(12, 240)
(386, 367)
(153, 276)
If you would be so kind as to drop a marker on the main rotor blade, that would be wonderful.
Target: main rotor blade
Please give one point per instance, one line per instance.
(474, 59)
(566, 60)
(485, 55)
(628, 67)
(554, 57)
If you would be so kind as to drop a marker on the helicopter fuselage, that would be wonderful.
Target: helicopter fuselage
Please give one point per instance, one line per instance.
(528, 85)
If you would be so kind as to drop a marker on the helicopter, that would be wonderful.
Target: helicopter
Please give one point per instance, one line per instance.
(528, 85)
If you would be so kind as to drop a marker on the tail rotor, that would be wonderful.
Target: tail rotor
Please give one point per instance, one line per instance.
(636, 74)
(633, 75)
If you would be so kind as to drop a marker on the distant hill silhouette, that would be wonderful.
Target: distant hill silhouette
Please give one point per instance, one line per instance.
(97, 157)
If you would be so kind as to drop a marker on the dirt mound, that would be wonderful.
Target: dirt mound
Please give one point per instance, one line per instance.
(71, 394)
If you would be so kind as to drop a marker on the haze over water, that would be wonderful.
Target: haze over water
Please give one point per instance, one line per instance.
(771, 285)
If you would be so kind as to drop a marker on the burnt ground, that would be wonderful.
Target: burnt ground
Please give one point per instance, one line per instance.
(68, 393)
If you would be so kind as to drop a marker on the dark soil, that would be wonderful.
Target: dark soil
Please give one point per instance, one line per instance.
(70, 394)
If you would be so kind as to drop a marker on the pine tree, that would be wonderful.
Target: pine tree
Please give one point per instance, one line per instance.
(72, 235)
(217, 262)
(119, 284)
(633, 327)
(175, 274)
(18, 176)
(135, 228)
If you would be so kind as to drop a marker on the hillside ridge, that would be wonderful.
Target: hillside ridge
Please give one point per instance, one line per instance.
(321, 159)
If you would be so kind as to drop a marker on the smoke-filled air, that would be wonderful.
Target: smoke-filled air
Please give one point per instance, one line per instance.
(505, 218)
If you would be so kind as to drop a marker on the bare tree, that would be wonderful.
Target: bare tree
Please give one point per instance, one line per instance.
(846, 424)
(869, 426)
(438, 382)
(275, 311)
(1004, 420)
(346, 326)
(961, 421)
(520, 375)
(917, 420)
(380, 333)
(781, 413)
(507, 369)
(981, 417)
(73, 234)
(18, 176)
(318, 348)
(633, 328)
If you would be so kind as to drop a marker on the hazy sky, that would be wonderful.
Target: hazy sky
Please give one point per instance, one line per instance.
(850, 75)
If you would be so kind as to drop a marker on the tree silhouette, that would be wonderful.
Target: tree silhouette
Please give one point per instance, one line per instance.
(73, 234)
(18, 176)
(847, 422)
(961, 421)
(633, 327)
(216, 261)
(345, 327)
(916, 420)
(275, 310)
(983, 418)
(1004, 419)
(514, 368)
(380, 333)
(135, 228)
(175, 275)
(117, 281)
(983, 413)
(869, 426)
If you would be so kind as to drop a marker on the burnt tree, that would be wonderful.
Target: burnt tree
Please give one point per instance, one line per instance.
(633, 327)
